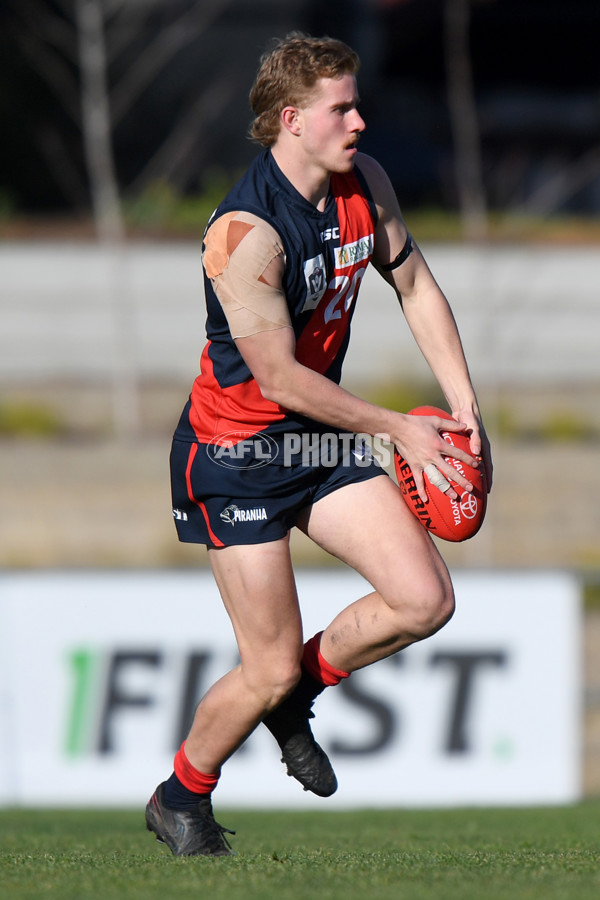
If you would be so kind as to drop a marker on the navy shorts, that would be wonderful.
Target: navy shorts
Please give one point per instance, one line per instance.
(253, 491)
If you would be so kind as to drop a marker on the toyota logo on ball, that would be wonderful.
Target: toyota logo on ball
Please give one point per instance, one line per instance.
(468, 505)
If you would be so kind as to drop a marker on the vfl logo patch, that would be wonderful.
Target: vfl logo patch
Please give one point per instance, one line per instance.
(353, 253)
(314, 275)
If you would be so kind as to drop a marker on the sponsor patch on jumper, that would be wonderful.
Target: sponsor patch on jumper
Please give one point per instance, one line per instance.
(232, 514)
(314, 276)
(353, 253)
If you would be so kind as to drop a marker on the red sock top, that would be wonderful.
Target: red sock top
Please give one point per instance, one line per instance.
(317, 666)
(190, 777)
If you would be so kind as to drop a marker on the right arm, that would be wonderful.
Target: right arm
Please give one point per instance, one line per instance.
(248, 282)
(282, 379)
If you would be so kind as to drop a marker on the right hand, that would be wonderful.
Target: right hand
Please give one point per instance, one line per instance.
(419, 440)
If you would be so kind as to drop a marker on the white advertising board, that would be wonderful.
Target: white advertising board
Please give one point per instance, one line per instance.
(100, 673)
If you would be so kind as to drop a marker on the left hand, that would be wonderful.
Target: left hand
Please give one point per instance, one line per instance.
(478, 440)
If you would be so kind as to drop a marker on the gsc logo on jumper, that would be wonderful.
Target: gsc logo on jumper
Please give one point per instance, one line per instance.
(240, 450)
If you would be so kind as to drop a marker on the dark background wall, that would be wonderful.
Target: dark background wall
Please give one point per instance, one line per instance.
(535, 69)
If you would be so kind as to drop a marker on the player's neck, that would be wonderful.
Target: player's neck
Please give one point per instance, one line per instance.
(311, 182)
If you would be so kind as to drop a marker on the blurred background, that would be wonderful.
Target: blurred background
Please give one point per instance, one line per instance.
(124, 122)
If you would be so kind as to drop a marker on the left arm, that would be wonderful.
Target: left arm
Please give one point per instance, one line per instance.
(427, 311)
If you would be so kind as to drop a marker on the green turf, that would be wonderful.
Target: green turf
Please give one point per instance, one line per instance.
(529, 854)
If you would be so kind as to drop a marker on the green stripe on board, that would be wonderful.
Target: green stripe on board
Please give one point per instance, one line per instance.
(83, 667)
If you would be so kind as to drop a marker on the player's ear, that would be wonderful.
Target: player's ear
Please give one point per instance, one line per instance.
(291, 120)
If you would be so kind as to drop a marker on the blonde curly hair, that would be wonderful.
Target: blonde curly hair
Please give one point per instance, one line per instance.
(288, 74)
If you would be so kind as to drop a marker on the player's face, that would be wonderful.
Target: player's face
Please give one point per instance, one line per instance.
(332, 125)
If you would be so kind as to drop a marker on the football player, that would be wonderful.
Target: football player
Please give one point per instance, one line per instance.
(269, 440)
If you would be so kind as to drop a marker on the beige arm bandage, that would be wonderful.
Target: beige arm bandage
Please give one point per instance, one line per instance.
(244, 259)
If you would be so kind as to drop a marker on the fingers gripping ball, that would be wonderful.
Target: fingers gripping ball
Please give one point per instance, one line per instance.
(451, 520)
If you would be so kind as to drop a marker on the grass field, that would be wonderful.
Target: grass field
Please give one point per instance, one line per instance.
(479, 854)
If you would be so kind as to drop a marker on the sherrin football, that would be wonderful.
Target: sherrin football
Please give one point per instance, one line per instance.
(452, 520)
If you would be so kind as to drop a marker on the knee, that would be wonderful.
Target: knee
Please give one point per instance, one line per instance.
(432, 609)
(274, 681)
(424, 606)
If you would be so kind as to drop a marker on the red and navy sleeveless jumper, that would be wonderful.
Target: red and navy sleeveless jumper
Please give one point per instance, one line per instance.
(326, 256)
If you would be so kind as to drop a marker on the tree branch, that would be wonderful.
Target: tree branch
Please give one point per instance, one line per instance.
(549, 196)
(463, 118)
(159, 53)
(96, 121)
(180, 143)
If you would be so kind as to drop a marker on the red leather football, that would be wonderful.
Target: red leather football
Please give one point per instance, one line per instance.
(451, 520)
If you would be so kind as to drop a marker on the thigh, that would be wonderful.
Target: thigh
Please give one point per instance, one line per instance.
(369, 527)
(257, 585)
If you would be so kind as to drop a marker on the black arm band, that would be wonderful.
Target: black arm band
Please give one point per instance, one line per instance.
(402, 256)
